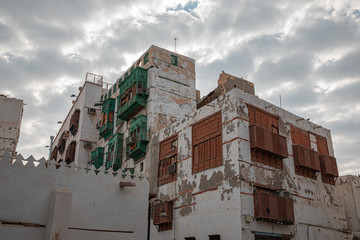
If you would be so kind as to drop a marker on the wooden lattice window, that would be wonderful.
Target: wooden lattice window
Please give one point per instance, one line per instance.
(207, 143)
(53, 154)
(267, 146)
(329, 171)
(306, 159)
(270, 206)
(163, 223)
(74, 122)
(263, 119)
(70, 153)
(167, 160)
(299, 136)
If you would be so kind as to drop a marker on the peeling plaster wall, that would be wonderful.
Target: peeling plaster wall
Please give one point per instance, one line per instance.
(350, 187)
(207, 202)
(11, 110)
(318, 207)
(315, 204)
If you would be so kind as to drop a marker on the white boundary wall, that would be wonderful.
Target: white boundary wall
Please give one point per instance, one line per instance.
(44, 202)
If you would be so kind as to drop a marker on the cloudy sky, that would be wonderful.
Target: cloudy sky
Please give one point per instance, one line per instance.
(307, 51)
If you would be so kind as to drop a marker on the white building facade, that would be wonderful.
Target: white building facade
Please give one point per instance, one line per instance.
(228, 166)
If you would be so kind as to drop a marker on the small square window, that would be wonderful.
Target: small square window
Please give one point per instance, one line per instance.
(146, 58)
(174, 60)
(214, 237)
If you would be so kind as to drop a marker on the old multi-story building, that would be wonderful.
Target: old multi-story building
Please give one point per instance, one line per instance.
(227, 166)
(11, 110)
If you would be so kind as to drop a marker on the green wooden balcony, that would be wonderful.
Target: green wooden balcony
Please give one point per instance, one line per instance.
(132, 107)
(97, 157)
(106, 130)
(137, 142)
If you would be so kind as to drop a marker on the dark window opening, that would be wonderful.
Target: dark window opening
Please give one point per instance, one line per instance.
(267, 237)
(146, 58)
(214, 237)
(74, 122)
(174, 60)
(70, 153)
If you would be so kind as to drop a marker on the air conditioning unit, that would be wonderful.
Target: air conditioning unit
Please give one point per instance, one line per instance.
(91, 111)
(283, 193)
(172, 169)
(142, 90)
(66, 134)
(130, 140)
(87, 145)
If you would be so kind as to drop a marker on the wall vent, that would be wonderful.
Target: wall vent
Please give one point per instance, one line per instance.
(87, 145)
(172, 169)
(91, 111)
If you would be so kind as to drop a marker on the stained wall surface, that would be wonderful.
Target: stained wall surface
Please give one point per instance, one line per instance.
(225, 194)
(63, 202)
(350, 188)
(11, 110)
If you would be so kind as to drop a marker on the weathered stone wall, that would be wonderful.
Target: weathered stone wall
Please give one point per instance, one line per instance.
(44, 202)
(11, 110)
(207, 202)
(318, 207)
(350, 188)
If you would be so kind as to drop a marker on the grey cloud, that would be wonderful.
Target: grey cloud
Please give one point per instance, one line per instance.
(346, 67)
(288, 69)
(217, 43)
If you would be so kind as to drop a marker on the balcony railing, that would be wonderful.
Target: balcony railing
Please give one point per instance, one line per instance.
(106, 130)
(132, 107)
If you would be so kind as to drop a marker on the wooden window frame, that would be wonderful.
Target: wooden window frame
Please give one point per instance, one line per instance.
(163, 223)
(167, 157)
(301, 139)
(202, 159)
(325, 160)
(261, 119)
(174, 60)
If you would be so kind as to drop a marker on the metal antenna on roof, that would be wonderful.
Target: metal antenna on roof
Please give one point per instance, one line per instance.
(280, 100)
(175, 43)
